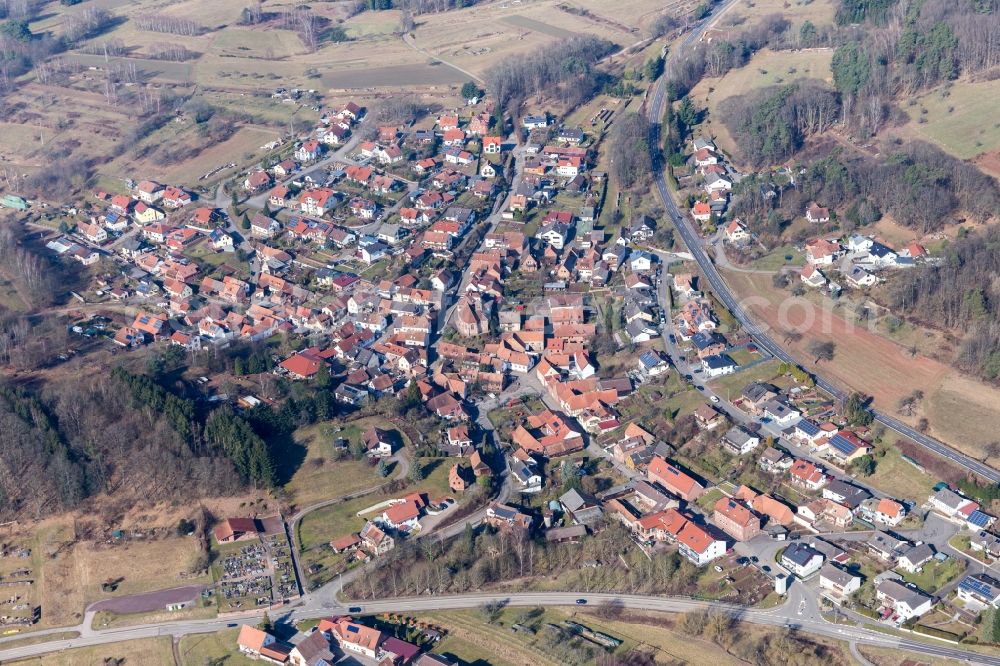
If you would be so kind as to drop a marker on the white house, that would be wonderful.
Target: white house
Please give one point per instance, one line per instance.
(906, 602)
(740, 441)
(718, 365)
(979, 591)
(528, 480)
(837, 583)
(801, 559)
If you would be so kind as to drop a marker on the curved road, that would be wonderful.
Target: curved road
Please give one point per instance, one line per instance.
(693, 241)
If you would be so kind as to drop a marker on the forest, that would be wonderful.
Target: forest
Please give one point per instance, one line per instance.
(900, 48)
(771, 124)
(916, 184)
(145, 434)
(565, 68)
(959, 294)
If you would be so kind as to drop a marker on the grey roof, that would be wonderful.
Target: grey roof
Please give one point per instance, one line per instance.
(886, 543)
(836, 574)
(757, 390)
(570, 532)
(917, 555)
(850, 496)
(900, 593)
(739, 437)
(948, 498)
(574, 500)
(827, 549)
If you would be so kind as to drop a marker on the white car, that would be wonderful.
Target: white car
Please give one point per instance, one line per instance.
(714, 398)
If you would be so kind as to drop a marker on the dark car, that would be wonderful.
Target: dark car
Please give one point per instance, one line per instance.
(581, 602)
(766, 569)
(754, 559)
(688, 377)
(354, 609)
(673, 340)
(700, 388)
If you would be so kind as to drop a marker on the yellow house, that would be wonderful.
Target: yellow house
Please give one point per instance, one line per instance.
(147, 214)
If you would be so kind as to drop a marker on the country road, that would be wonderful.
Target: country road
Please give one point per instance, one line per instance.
(692, 239)
(781, 616)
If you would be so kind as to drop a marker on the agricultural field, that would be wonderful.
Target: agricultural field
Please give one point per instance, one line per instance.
(962, 411)
(766, 68)
(959, 118)
(145, 651)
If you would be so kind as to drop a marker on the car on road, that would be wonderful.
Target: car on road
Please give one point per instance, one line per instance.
(766, 569)
(354, 609)
(688, 377)
(700, 388)
(714, 398)
(580, 602)
(673, 340)
(754, 559)
(232, 624)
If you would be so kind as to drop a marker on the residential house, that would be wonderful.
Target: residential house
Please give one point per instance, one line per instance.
(718, 365)
(735, 519)
(740, 441)
(905, 602)
(673, 479)
(582, 507)
(807, 475)
(979, 591)
(837, 584)
(817, 214)
(503, 516)
(313, 650)
(377, 442)
(801, 559)
(375, 540)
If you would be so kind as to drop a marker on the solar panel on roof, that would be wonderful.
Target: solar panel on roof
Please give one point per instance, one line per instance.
(977, 586)
(979, 519)
(841, 444)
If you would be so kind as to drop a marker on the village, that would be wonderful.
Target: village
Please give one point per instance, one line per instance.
(464, 271)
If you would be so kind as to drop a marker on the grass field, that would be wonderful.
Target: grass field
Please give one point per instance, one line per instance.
(731, 385)
(766, 68)
(819, 12)
(268, 44)
(898, 478)
(321, 476)
(109, 620)
(243, 147)
(960, 118)
(779, 257)
(146, 651)
(142, 566)
(217, 648)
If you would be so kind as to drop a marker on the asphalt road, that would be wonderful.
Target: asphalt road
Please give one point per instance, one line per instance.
(791, 614)
(693, 242)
